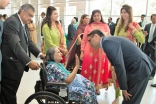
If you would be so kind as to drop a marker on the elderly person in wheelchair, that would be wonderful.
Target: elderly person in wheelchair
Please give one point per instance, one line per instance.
(56, 72)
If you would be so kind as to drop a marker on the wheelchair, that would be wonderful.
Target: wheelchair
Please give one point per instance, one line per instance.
(52, 92)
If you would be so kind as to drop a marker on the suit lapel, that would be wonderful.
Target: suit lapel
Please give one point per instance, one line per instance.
(23, 33)
(149, 28)
(27, 31)
(154, 33)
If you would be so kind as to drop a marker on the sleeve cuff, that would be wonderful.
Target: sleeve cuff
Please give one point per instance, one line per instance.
(28, 63)
(39, 55)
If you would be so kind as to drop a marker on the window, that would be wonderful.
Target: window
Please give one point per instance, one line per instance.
(137, 11)
(74, 9)
(59, 1)
(103, 5)
(151, 7)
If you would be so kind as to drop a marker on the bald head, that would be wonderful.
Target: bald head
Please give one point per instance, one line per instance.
(73, 21)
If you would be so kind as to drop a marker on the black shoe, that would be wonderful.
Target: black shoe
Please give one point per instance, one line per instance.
(153, 85)
(150, 78)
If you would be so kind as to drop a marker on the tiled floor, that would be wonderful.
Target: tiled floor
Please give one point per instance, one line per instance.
(28, 81)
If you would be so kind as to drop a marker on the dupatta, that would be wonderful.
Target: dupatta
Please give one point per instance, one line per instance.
(72, 49)
(60, 66)
(62, 41)
(129, 34)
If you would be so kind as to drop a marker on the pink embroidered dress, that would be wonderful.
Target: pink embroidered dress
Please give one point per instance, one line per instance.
(95, 66)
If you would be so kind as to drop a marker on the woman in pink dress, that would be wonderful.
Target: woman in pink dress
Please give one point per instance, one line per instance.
(95, 65)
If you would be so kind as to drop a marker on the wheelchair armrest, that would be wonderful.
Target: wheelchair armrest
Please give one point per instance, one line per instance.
(56, 84)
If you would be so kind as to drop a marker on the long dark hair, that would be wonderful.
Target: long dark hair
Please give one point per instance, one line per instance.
(49, 12)
(93, 12)
(128, 9)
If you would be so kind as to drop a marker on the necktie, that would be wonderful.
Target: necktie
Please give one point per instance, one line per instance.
(25, 33)
(150, 38)
(26, 38)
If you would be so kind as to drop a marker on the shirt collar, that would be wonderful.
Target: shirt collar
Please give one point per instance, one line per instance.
(20, 20)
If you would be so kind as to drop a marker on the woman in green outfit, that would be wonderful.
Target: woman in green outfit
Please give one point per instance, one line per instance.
(53, 32)
(127, 28)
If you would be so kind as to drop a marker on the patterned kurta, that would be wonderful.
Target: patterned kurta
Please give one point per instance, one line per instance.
(138, 34)
(80, 84)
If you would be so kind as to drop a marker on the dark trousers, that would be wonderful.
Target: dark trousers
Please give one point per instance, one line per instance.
(8, 91)
(137, 92)
(151, 53)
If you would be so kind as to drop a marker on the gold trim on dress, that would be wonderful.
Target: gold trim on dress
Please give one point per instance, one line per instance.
(85, 71)
(103, 71)
(90, 78)
(99, 66)
(91, 54)
(95, 60)
(94, 71)
(90, 66)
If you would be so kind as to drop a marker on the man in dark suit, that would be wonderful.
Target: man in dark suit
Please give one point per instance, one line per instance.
(132, 66)
(3, 4)
(142, 22)
(71, 32)
(111, 25)
(16, 46)
(150, 41)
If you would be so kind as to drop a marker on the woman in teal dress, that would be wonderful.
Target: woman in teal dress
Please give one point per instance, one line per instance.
(56, 72)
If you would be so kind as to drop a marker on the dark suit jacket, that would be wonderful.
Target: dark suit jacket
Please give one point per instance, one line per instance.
(71, 32)
(112, 28)
(140, 23)
(147, 28)
(1, 30)
(14, 47)
(130, 63)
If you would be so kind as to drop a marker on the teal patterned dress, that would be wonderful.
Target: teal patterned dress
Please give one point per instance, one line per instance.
(58, 73)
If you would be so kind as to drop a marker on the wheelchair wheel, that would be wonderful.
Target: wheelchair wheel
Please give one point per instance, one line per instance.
(44, 98)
